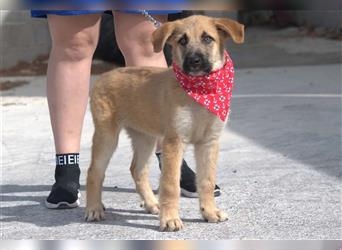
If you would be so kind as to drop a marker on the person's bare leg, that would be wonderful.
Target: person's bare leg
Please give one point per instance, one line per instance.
(133, 35)
(74, 40)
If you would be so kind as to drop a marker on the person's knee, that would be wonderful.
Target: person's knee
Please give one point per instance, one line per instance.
(139, 45)
(77, 47)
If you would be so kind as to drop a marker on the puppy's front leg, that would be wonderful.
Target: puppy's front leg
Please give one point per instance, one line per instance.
(206, 158)
(169, 185)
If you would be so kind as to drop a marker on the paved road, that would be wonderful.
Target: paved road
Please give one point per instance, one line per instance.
(279, 167)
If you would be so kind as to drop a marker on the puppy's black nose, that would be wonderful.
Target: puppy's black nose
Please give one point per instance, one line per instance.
(195, 60)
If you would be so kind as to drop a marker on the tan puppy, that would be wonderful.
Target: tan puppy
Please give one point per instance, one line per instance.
(149, 103)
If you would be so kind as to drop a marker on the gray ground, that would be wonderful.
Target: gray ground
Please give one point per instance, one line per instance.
(279, 166)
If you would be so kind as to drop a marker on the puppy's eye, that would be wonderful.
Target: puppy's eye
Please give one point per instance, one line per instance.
(207, 39)
(183, 41)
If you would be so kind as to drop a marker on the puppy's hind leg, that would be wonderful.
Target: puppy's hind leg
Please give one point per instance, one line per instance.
(143, 147)
(206, 155)
(105, 141)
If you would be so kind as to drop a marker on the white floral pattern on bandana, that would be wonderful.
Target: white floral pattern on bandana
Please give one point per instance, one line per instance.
(213, 91)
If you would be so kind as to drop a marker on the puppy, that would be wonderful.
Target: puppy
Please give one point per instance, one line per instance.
(150, 103)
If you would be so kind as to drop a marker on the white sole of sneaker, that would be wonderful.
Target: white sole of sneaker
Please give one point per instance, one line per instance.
(185, 193)
(189, 194)
(64, 204)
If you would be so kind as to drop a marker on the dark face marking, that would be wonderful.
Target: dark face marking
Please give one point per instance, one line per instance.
(195, 63)
(196, 53)
(183, 40)
(207, 39)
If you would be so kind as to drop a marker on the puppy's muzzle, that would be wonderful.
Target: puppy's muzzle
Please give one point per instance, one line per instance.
(195, 63)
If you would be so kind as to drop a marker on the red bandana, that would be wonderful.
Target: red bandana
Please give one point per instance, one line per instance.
(213, 90)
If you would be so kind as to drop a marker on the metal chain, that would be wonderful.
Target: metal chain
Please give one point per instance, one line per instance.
(155, 22)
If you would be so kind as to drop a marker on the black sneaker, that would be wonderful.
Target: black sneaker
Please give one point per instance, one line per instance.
(65, 191)
(188, 181)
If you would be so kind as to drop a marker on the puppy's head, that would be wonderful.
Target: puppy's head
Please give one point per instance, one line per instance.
(198, 42)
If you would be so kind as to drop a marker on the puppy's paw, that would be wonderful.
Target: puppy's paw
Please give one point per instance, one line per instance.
(171, 225)
(152, 208)
(94, 213)
(214, 216)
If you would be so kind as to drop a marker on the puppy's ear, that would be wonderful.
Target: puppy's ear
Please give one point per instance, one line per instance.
(228, 27)
(161, 35)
